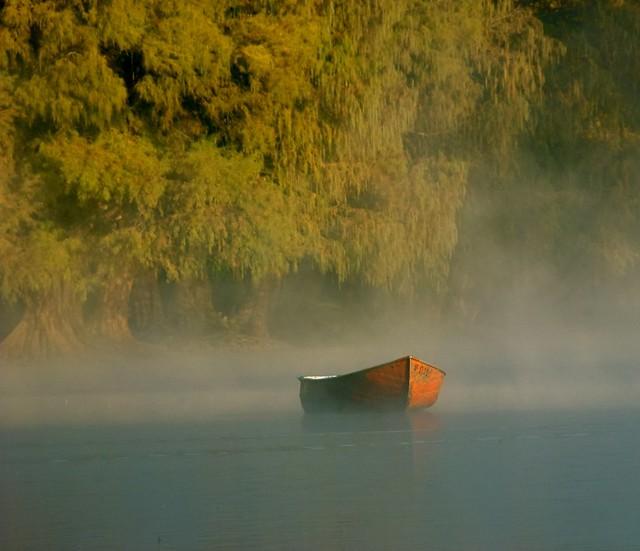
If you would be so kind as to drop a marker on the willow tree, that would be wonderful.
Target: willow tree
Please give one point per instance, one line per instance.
(37, 268)
(591, 134)
(224, 215)
(107, 102)
(414, 97)
(173, 59)
(114, 185)
(568, 205)
(197, 137)
(224, 108)
(58, 81)
(40, 270)
(84, 116)
(482, 68)
(327, 105)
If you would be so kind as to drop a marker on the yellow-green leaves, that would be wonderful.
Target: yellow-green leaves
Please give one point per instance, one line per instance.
(247, 136)
(76, 89)
(62, 78)
(115, 184)
(185, 55)
(224, 214)
(117, 170)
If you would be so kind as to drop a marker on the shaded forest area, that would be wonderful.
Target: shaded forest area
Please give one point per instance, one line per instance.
(239, 167)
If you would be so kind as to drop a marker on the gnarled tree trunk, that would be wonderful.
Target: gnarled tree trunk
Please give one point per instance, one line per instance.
(50, 326)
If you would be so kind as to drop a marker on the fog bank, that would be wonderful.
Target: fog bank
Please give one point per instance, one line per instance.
(531, 365)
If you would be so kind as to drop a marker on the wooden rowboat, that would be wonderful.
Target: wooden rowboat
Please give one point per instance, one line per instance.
(404, 383)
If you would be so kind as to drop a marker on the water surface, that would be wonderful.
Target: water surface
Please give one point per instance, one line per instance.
(442, 481)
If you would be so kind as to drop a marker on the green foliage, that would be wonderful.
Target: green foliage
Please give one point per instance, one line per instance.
(42, 262)
(566, 204)
(224, 214)
(7, 114)
(410, 97)
(54, 51)
(190, 138)
(185, 55)
(590, 127)
(114, 185)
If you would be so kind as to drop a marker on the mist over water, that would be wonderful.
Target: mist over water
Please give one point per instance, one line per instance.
(525, 360)
(533, 443)
(456, 181)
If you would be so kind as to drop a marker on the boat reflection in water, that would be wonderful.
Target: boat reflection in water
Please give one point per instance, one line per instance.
(414, 423)
(371, 470)
(405, 383)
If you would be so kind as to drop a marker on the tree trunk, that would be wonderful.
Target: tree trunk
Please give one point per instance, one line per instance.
(190, 310)
(10, 316)
(147, 318)
(49, 327)
(253, 317)
(110, 318)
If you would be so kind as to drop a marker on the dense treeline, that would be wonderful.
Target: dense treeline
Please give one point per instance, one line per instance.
(563, 215)
(193, 148)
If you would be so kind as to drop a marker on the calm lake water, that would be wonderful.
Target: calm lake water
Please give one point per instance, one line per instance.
(441, 481)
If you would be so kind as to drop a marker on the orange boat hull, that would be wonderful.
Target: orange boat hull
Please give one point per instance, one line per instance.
(402, 384)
